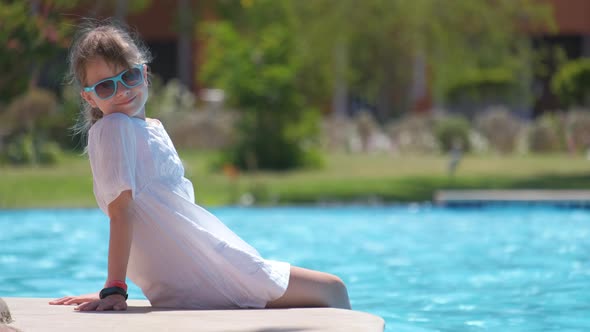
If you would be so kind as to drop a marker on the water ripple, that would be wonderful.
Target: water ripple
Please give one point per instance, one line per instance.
(421, 268)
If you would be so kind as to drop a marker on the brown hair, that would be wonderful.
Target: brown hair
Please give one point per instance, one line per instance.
(108, 39)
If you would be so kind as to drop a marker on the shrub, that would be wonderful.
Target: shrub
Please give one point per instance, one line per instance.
(169, 98)
(58, 127)
(451, 130)
(276, 130)
(50, 154)
(571, 83)
(337, 133)
(29, 37)
(19, 151)
(28, 118)
(23, 150)
(578, 130)
(480, 88)
(500, 128)
(413, 134)
(545, 134)
(28, 111)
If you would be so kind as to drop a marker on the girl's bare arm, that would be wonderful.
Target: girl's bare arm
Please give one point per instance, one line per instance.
(120, 211)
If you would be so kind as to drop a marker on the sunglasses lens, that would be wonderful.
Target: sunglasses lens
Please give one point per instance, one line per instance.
(132, 77)
(105, 89)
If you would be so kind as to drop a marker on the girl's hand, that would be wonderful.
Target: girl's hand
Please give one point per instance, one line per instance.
(69, 300)
(111, 302)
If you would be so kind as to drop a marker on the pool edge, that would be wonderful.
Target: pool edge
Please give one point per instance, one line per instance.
(35, 314)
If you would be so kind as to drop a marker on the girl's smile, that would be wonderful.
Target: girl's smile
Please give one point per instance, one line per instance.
(126, 102)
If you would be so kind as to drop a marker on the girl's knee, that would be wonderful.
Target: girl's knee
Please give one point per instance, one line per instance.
(336, 284)
(338, 294)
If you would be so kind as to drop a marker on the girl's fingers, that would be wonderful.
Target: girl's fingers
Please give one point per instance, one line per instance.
(74, 300)
(84, 307)
(104, 305)
(120, 306)
(68, 300)
(88, 306)
(60, 300)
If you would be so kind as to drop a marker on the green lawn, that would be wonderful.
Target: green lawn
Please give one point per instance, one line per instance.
(345, 178)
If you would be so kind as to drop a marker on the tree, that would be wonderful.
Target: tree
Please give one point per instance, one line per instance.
(32, 32)
(571, 83)
(369, 49)
(253, 59)
(382, 39)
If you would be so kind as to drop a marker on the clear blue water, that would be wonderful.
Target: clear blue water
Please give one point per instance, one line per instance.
(421, 268)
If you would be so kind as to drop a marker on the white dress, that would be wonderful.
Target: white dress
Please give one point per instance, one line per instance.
(181, 255)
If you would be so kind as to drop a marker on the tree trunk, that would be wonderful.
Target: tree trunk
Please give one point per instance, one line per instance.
(384, 102)
(340, 95)
(184, 52)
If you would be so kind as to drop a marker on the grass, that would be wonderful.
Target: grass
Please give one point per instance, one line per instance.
(345, 178)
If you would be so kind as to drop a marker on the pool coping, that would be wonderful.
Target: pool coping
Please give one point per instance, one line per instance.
(580, 198)
(35, 314)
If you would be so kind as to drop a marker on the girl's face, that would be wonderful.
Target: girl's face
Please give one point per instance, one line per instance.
(130, 101)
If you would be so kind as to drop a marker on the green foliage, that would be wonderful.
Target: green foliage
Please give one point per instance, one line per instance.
(577, 130)
(571, 83)
(19, 151)
(58, 127)
(24, 150)
(484, 85)
(546, 134)
(452, 132)
(50, 154)
(373, 45)
(15, 26)
(27, 122)
(366, 46)
(258, 73)
(29, 35)
(28, 111)
(484, 44)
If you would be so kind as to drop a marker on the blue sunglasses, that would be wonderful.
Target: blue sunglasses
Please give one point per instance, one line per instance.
(107, 88)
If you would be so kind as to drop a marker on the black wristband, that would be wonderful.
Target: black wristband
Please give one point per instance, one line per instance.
(112, 291)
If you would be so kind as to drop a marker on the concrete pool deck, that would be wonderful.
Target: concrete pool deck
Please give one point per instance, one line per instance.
(35, 314)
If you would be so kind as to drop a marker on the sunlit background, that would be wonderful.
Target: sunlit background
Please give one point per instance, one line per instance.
(272, 102)
(337, 122)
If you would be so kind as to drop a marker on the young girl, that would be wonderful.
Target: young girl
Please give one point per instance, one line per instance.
(180, 255)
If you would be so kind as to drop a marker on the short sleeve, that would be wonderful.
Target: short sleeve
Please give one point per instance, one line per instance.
(112, 153)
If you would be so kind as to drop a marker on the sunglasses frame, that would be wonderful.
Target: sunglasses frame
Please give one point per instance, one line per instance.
(116, 79)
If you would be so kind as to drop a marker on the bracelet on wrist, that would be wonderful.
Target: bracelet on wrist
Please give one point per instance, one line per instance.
(112, 291)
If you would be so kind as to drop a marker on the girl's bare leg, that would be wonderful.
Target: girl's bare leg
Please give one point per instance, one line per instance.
(309, 288)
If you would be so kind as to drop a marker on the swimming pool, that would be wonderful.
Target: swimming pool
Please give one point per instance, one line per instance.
(421, 268)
